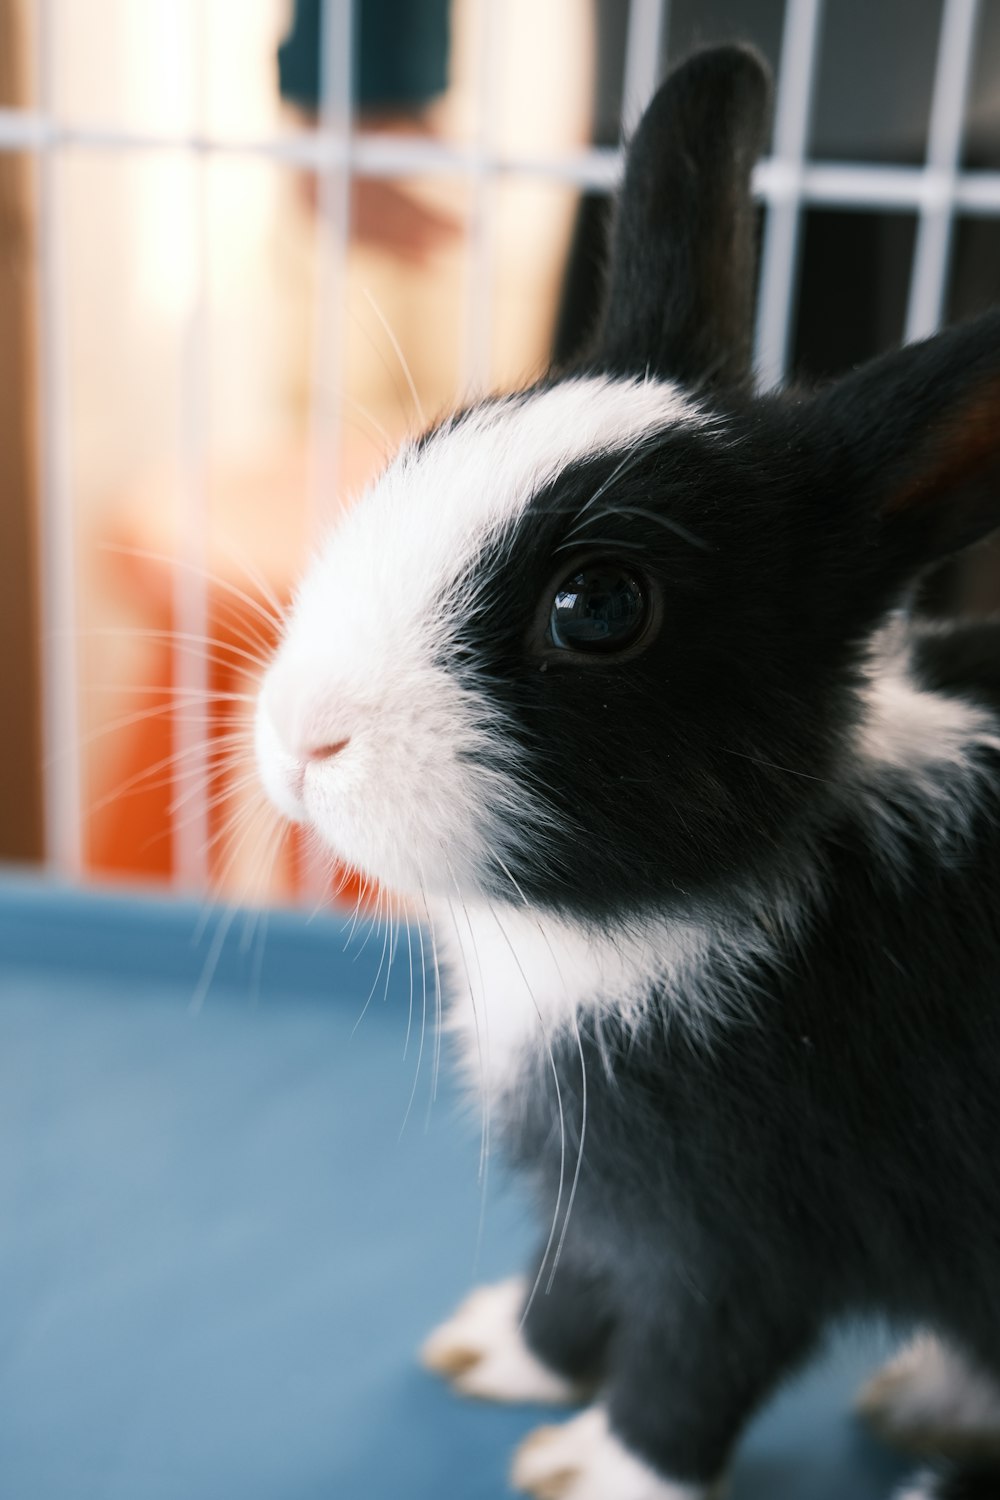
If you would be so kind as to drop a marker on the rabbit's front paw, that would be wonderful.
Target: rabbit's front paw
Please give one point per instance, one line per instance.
(928, 1399)
(583, 1460)
(482, 1352)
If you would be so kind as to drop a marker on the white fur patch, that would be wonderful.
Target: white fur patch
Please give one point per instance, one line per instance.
(482, 1351)
(407, 800)
(583, 1460)
(921, 1488)
(519, 978)
(926, 741)
(929, 1399)
(912, 729)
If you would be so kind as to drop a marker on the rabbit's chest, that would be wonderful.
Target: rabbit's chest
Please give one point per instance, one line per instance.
(517, 982)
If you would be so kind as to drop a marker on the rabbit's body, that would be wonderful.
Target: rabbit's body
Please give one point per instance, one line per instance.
(617, 675)
(744, 1183)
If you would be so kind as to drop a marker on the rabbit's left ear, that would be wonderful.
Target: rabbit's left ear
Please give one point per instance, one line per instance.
(912, 442)
(681, 285)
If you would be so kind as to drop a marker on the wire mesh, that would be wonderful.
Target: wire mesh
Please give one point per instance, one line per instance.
(339, 153)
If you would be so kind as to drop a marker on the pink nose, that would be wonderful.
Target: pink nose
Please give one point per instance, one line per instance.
(323, 752)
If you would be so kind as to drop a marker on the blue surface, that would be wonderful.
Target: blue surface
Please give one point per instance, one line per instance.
(218, 1253)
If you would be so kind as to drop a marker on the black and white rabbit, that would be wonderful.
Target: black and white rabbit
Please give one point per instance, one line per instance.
(616, 672)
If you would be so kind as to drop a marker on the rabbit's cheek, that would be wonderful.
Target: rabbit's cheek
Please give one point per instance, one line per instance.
(280, 773)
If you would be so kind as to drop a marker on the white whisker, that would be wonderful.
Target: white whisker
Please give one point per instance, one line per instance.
(369, 298)
(273, 618)
(423, 1021)
(632, 456)
(562, 1117)
(583, 1078)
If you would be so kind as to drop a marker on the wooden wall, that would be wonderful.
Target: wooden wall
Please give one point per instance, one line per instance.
(21, 831)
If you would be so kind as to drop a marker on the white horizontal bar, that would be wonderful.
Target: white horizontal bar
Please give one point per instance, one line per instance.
(821, 184)
(978, 192)
(903, 189)
(371, 155)
(20, 130)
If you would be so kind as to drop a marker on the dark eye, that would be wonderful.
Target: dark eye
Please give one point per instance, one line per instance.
(601, 607)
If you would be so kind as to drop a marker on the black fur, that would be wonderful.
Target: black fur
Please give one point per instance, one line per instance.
(832, 1146)
(680, 303)
(835, 1154)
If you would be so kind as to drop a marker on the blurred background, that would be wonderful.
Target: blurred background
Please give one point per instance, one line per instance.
(247, 245)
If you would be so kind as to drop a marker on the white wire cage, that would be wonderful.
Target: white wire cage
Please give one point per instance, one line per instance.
(790, 182)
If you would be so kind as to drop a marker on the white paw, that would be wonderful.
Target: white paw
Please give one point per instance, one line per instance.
(583, 1460)
(921, 1488)
(930, 1400)
(482, 1351)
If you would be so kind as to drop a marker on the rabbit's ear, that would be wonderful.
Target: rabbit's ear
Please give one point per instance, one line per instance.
(681, 286)
(913, 439)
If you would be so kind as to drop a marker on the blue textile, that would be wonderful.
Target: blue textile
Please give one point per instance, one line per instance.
(400, 53)
(219, 1250)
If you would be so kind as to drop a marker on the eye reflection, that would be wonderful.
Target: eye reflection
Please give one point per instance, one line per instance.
(600, 607)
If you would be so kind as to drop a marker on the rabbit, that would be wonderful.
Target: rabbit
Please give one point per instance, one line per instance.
(622, 677)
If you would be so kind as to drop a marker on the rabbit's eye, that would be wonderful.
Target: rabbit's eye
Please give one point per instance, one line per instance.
(601, 607)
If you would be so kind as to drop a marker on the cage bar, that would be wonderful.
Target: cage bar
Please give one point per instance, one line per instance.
(934, 235)
(333, 167)
(786, 182)
(647, 27)
(779, 264)
(190, 833)
(820, 184)
(59, 645)
(478, 314)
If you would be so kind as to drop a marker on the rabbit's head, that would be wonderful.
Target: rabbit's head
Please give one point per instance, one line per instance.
(601, 646)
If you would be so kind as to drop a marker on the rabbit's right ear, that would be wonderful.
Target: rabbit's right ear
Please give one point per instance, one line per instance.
(681, 286)
(911, 444)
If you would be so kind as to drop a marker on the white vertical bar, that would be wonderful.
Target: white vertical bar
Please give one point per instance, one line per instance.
(937, 216)
(333, 239)
(478, 341)
(779, 268)
(647, 27)
(59, 654)
(190, 832)
(333, 243)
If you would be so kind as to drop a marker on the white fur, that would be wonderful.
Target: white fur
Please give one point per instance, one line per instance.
(922, 1488)
(912, 729)
(360, 659)
(926, 742)
(519, 978)
(482, 1351)
(583, 1460)
(929, 1397)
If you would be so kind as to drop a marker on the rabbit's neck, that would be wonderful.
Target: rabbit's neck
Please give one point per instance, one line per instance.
(518, 979)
